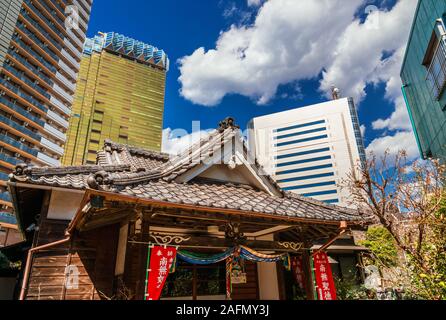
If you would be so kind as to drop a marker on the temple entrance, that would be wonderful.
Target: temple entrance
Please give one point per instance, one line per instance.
(208, 282)
(292, 290)
(196, 282)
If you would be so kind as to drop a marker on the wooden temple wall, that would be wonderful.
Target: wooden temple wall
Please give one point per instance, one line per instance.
(250, 289)
(91, 254)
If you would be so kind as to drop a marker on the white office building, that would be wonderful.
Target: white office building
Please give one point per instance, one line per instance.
(309, 150)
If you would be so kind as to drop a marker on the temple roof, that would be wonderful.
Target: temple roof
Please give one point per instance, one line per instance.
(132, 172)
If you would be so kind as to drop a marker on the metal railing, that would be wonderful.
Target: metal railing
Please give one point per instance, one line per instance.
(436, 73)
(31, 21)
(41, 16)
(20, 110)
(39, 42)
(19, 127)
(31, 84)
(33, 69)
(32, 52)
(18, 144)
(5, 196)
(9, 159)
(25, 96)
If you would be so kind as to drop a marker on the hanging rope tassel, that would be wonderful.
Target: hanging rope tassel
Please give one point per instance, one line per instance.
(228, 278)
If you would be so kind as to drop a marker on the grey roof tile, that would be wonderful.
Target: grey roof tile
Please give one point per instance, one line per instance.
(145, 174)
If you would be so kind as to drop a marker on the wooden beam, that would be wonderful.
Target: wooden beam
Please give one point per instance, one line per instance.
(343, 229)
(93, 224)
(206, 242)
(190, 207)
(272, 230)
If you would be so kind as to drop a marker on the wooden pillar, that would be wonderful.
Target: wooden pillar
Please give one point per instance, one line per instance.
(308, 272)
(122, 249)
(267, 277)
(6, 237)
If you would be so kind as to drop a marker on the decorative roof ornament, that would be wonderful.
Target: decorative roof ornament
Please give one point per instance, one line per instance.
(335, 93)
(110, 146)
(232, 164)
(226, 124)
(99, 179)
(20, 173)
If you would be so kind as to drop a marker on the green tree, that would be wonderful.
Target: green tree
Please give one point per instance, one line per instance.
(4, 262)
(409, 201)
(382, 246)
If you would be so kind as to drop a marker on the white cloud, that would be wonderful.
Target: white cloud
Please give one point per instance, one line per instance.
(177, 140)
(404, 140)
(398, 120)
(363, 130)
(254, 3)
(289, 40)
(359, 58)
(295, 40)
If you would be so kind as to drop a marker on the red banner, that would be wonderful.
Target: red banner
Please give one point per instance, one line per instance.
(298, 271)
(325, 286)
(161, 260)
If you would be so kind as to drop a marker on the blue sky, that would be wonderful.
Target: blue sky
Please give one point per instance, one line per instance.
(368, 72)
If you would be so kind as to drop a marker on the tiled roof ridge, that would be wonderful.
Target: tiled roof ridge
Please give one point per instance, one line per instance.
(291, 195)
(44, 171)
(174, 167)
(208, 181)
(110, 145)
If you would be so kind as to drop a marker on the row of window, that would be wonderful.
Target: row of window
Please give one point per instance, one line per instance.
(311, 185)
(299, 126)
(282, 144)
(302, 153)
(300, 133)
(285, 164)
(324, 166)
(313, 176)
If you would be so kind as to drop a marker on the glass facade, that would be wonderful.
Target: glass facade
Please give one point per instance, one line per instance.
(309, 150)
(40, 55)
(424, 74)
(120, 96)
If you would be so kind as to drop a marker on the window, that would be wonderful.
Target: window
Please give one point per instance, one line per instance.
(194, 281)
(291, 163)
(305, 169)
(300, 126)
(311, 185)
(319, 193)
(435, 61)
(282, 144)
(300, 133)
(303, 153)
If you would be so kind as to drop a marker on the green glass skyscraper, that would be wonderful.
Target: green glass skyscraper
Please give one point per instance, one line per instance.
(424, 78)
(119, 96)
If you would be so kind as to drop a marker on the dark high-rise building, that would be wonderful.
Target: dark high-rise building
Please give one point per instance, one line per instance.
(41, 44)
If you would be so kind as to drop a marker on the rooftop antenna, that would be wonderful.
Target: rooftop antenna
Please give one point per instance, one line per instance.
(335, 92)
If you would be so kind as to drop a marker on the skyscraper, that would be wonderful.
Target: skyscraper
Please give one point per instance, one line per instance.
(120, 96)
(309, 150)
(424, 78)
(40, 49)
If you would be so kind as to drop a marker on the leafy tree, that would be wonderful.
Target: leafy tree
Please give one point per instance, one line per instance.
(347, 290)
(409, 201)
(382, 246)
(4, 262)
